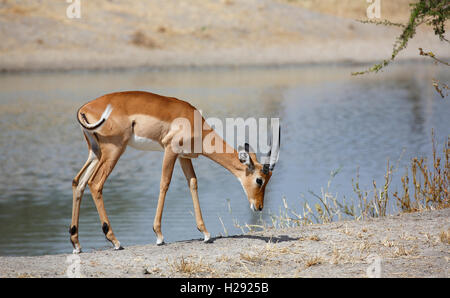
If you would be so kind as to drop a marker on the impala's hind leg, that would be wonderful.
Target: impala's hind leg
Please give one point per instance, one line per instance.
(110, 154)
(188, 170)
(78, 186)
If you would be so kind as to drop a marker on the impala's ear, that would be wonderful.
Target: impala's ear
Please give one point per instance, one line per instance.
(244, 156)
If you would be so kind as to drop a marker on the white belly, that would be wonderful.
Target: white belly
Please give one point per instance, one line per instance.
(144, 144)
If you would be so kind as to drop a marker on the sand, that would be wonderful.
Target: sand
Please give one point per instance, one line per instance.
(405, 245)
(159, 34)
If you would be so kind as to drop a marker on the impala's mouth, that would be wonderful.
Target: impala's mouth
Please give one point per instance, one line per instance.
(253, 207)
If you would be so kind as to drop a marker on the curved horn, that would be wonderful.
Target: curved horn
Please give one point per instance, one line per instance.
(244, 156)
(275, 149)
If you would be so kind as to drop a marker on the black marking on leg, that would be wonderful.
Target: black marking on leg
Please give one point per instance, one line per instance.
(105, 228)
(73, 230)
(84, 117)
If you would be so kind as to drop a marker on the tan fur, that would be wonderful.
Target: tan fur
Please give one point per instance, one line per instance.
(150, 116)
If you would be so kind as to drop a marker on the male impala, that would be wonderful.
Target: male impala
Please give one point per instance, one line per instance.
(144, 121)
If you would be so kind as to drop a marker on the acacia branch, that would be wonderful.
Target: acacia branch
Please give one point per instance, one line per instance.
(431, 55)
(441, 89)
(384, 23)
(433, 13)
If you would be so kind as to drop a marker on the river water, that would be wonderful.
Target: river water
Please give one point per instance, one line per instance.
(330, 121)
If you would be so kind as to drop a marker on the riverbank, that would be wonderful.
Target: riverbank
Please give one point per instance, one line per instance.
(408, 245)
(166, 34)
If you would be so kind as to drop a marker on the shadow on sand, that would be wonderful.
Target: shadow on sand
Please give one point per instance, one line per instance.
(267, 239)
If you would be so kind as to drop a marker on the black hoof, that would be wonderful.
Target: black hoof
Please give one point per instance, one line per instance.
(210, 240)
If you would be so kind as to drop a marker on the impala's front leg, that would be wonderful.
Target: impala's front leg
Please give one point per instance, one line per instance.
(188, 170)
(169, 160)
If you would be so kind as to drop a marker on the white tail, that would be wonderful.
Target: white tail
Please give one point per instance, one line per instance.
(99, 123)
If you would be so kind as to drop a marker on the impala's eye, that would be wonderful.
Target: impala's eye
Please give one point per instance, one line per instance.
(259, 181)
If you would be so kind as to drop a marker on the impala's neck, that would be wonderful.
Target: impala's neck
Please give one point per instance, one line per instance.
(228, 159)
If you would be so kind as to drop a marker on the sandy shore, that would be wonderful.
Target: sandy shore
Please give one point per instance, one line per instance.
(407, 245)
(180, 33)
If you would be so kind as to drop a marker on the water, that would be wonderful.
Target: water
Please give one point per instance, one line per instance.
(329, 119)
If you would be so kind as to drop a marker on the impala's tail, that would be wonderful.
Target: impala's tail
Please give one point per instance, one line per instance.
(94, 126)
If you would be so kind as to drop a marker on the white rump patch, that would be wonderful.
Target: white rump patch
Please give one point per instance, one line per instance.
(145, 144)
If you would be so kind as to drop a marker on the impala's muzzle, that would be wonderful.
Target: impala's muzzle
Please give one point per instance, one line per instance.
(256, 207)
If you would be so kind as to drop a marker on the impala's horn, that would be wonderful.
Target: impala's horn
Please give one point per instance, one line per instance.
(244, 156)
(274, 152)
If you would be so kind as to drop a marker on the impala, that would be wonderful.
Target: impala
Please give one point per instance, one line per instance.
(144, 121)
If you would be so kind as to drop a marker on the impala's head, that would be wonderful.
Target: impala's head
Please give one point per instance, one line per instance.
(256, 175)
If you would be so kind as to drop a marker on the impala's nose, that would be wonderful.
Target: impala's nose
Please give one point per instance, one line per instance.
(257, 207)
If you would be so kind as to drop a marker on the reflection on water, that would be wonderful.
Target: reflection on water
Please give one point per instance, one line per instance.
(329, 120)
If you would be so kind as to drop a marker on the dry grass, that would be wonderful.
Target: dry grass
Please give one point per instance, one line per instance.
(252, 257)
(274, 250)
(388, 243)
(27, 275)
(314, 238)
(406, 236)
(152, 271)
(401, 251)
(444, 236)
(341, 256)
(313, 261)
(191, 268)
(362, 247)
(431, 186)
(336, 256)
(245, 272)
(223, 259)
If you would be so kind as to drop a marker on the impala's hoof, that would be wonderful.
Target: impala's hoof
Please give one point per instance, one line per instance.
(117, 246)
(207, 238)
(76, 250)
(160, 242)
